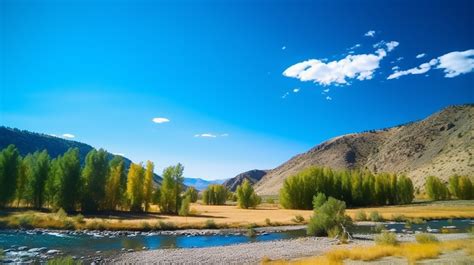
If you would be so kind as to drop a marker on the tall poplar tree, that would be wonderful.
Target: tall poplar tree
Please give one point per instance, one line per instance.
(9, 169)
(135, 178)
(94, 176)
(148, 185)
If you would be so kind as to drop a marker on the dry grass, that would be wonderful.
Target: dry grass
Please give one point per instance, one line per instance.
(224, 216)
(413, 252)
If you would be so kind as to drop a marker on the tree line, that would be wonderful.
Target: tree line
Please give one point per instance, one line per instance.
(459, 187)
(100, 184)
(354, 187)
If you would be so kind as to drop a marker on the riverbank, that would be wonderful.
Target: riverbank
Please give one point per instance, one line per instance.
(254, 253)
(219, 216)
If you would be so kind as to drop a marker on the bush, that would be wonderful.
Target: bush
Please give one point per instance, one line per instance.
(145, 226)
(424, 238)
(246, 196)
(319, 200)
(267, 221)
(63, 261)
(61, 214)
(270, 200)
(361, 216)
(375, 217)
(251, 232)
(167, 225)
(378, 228)
(298, 219)
(329, 217)
(210, 224)
(26, 221)
(79, 219)
(386, 238)
(69, 225)
(399, 218)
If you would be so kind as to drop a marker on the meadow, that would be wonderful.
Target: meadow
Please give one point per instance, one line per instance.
(219, 216)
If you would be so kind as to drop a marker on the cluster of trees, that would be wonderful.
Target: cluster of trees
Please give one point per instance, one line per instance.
(215, 195)
(355, 188)
(246, 196)
(458, 186)
(101, 184)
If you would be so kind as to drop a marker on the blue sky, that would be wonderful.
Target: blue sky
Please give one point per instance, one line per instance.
(240, 84)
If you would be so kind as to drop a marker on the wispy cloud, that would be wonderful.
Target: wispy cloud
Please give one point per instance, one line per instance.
(285, 95)
(354, 47)
(396, 67)
(390, 45)
(360, 66)
(224, 135)
(453, 64)
(370, 33)
(283, 48)
(206, 135)
(160, 120)
(296, 90)
(68, 135)
(328, 98)
(421, 55)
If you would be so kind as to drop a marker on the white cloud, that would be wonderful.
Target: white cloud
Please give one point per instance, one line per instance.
(370, 33)
(360, 66)
(399, 58)
(328, 98)
(423, 68)
(224, 135)
(396, 67)
(68, 135)
(206, 135)
(283, 48)
(296, 90)
(354, 47)
(421, 55)
(160, 120)
(456, 63)
(285, 95)
(326, 90)
(452, 64)
(392, 45)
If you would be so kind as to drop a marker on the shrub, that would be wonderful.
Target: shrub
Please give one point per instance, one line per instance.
(79, 219)
(69, 225)
(145, 226)
(267, 221)
(378, 228)
(246, 196)
(63, 261)
(26, 221)
(319, 200)
(167, 225)
(298, 219)
(61, 214)
(399, 218)
(361, 216)
(375, 217)
(192, 193)
(424, 238)
(386, 238)
(270, 200)
(329, 217)
(251, 232)
(210, 224)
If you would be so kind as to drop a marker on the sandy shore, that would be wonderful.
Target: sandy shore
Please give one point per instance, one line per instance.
(252, 253)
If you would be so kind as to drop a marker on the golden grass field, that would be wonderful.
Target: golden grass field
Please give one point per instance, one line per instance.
(412, 252)
(224, 216)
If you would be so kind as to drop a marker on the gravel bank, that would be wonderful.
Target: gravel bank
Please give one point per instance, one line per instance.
(252, 253)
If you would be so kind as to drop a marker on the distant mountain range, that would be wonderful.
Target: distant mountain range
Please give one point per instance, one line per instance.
(440, 145)
(30, 142)
(253, 176)
(201, 184)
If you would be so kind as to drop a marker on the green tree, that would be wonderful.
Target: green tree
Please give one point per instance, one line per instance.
(171, 188)
(319, 200)
(435, 189)
(246, 196)
(148, 185)
(38, 168)
(184, 209)
(52, 184)
(9, 170)
(329, 219)
(465, 188)
(113, 188)
(405, 190)
(135, 178)
(454, 185)
(192, 193)
(215, 195)
(94, 176)
(68, 180)
(22, 181)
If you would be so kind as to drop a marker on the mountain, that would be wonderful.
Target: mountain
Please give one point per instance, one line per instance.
(440, 145)
(201, 184)
(253, 176)
(30, 142)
